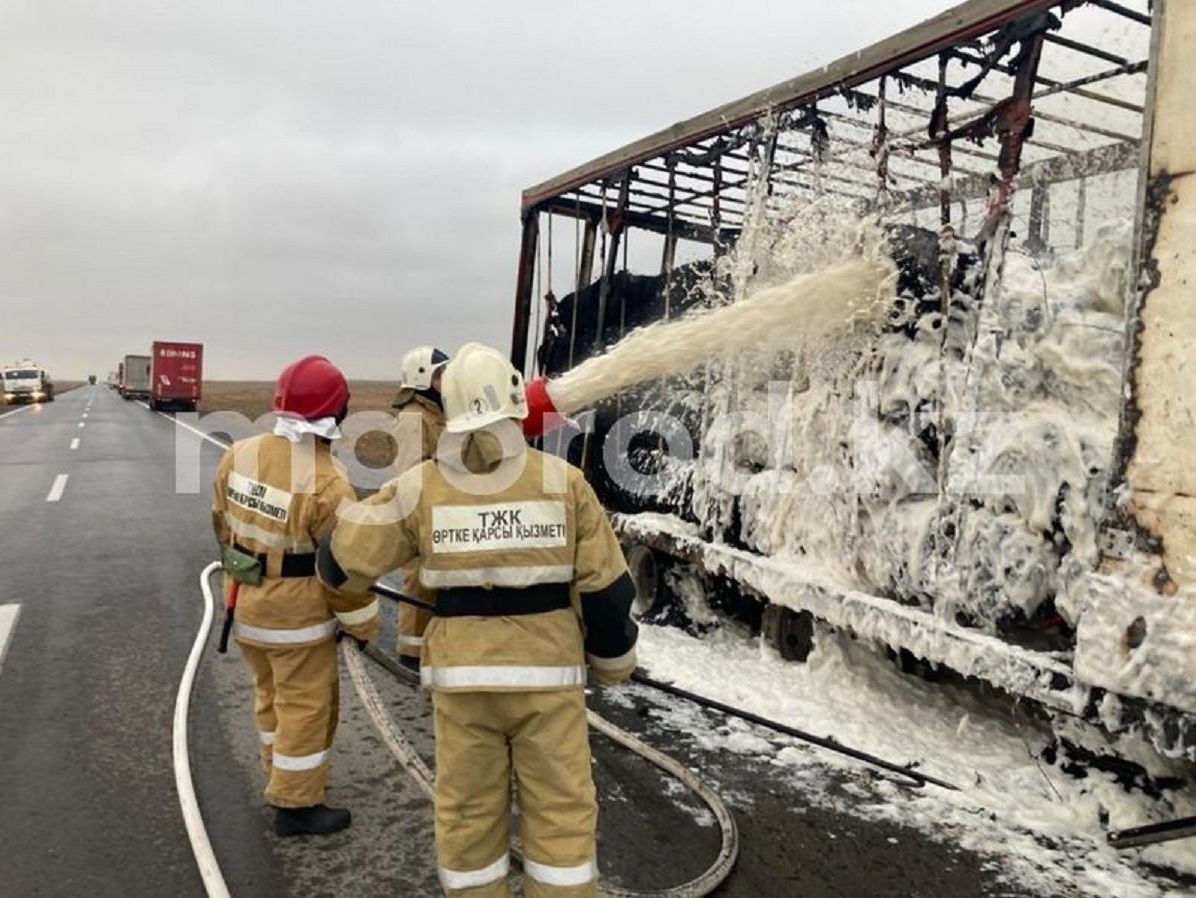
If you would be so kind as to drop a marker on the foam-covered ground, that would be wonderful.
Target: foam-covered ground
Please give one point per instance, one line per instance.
(1040, 827)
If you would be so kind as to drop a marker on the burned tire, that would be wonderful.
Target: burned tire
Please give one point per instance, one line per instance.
(790, 632)
(647, 573)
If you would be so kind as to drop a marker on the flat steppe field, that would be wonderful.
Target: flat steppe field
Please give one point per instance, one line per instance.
(253, 398)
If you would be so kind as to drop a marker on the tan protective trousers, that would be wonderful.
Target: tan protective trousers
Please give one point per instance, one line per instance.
(296, 695)
(482, 739)
(413, 621)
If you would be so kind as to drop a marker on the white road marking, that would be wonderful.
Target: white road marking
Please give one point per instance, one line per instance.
(201, 846)
(8, 623)
(75, 443)
(195, 430)
(85, 414)
(57, 489)
(81, 424)
(16, 411)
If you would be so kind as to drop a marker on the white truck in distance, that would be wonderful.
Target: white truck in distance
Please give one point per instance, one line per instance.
(135, 380)
(26, 382)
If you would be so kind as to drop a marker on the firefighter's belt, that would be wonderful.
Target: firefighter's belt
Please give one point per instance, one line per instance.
(477, 601)
(292, 565)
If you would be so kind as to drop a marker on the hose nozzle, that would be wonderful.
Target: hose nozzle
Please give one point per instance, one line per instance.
(542, 415)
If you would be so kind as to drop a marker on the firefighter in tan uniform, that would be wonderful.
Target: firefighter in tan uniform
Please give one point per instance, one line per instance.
(418, 427)
(276, 496)
(531, 585)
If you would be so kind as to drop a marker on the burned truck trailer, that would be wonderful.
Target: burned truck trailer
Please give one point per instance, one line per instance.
(993, 480)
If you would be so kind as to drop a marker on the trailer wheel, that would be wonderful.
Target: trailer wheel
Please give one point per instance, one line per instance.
(647, 573)
(790, 632)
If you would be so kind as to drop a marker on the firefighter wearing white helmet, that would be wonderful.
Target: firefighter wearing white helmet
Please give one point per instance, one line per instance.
(276, 497)
(532, 588)
(418, 426)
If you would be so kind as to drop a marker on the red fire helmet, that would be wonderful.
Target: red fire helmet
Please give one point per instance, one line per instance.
(311, 388)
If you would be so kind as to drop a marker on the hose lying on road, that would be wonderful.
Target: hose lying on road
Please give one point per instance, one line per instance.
(917, 777)
(201, 847)
(826, 742)
(406, 755)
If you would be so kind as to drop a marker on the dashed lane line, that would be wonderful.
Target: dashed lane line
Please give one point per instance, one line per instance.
(58, 487)
(8, 623)
(74, 444)
(82, 424)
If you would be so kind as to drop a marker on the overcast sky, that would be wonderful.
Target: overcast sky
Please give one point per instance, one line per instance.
(275, 179)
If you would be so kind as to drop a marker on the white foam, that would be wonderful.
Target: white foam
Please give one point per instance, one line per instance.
(846, 293)
(1044, 824)
(874, 439)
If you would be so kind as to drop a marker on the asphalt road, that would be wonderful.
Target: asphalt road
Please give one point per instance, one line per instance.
(87, 687)
(102, 555)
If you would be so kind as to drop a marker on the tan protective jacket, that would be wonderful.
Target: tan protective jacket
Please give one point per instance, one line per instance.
(544, 530)
(279, 499)
(418, 427)
(417, 445)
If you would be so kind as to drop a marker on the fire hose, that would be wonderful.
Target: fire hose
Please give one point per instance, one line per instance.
(906, 771)
(909, 772)
(409, 759)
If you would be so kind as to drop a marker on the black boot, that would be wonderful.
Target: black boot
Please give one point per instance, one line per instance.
(411, 662)
(320, 820)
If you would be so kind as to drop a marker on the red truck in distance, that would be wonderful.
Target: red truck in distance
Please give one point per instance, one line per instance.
(176, 379)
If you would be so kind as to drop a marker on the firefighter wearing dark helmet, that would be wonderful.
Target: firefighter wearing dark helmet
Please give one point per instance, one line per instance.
(276, 496)
(532, 587)
(418, 426)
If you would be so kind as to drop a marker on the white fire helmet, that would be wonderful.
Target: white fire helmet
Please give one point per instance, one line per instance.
(420, 365)
(480, 387)
(418, 368)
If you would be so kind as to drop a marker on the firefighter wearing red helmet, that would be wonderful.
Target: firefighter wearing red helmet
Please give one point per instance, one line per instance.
(276, 497)
(532, 589)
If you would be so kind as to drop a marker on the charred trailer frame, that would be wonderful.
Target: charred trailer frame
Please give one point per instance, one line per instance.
(971, 127)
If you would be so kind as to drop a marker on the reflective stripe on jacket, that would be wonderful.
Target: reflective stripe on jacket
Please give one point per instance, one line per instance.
(535, 521)
(276, 498)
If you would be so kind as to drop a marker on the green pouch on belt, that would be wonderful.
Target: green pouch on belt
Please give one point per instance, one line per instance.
(242, 567)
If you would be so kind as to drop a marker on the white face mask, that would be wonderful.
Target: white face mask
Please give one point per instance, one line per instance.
(294, 429)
